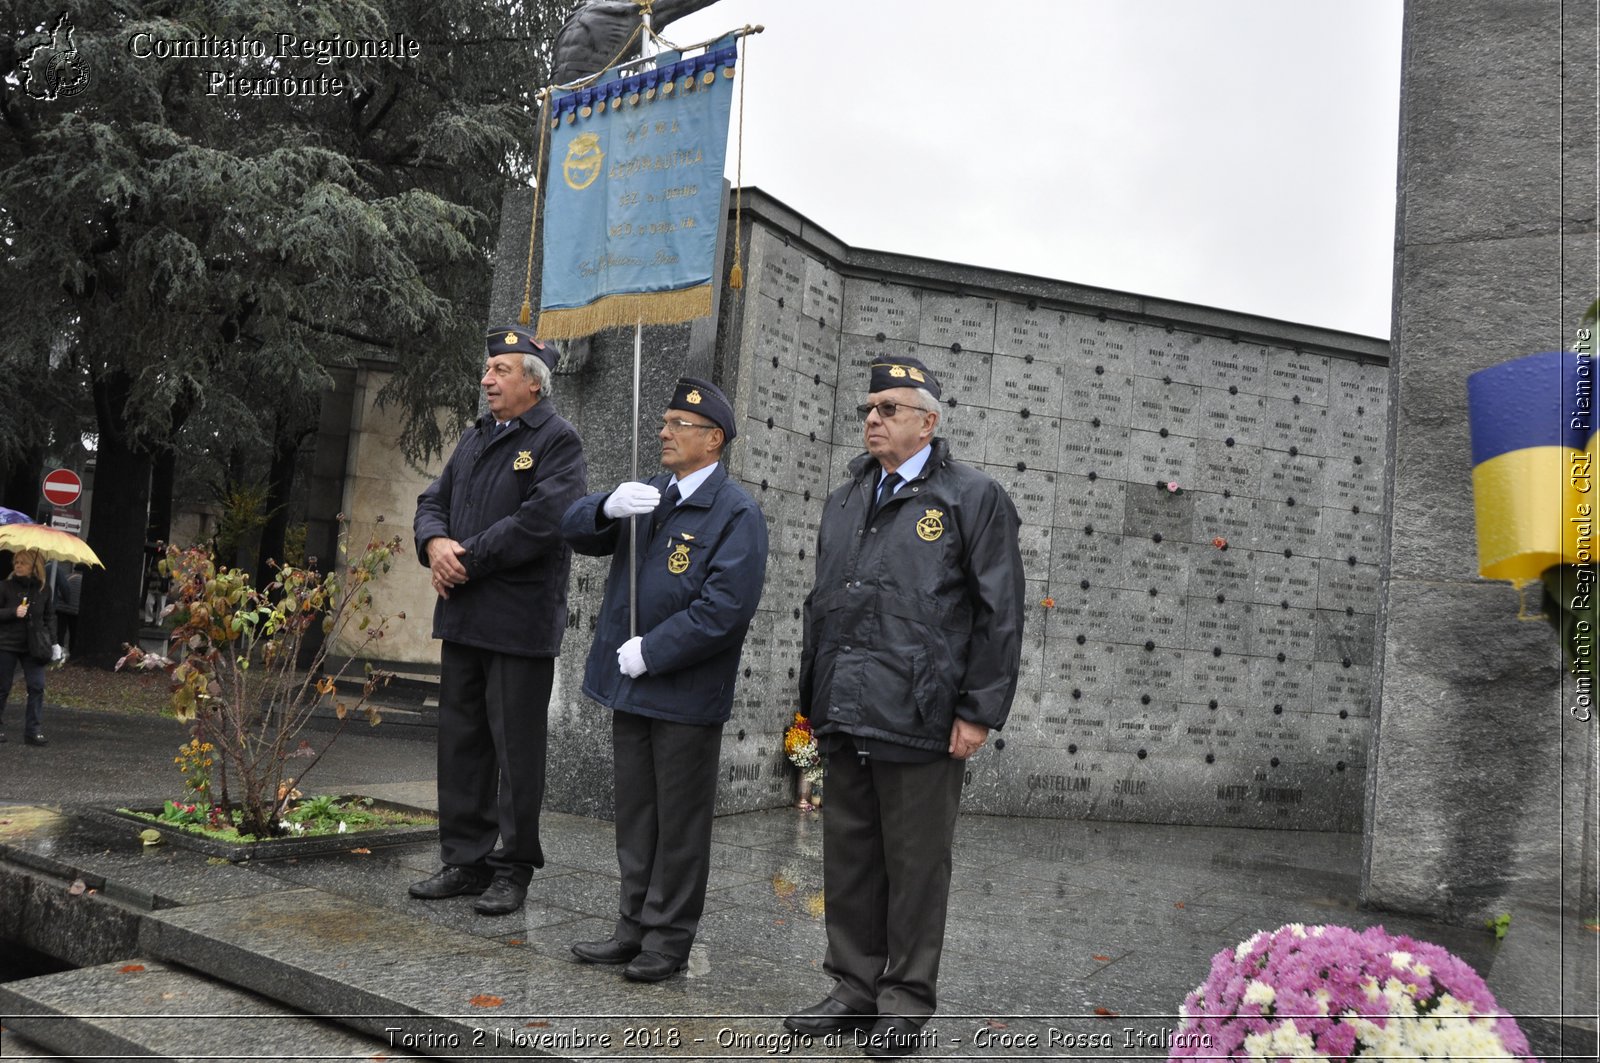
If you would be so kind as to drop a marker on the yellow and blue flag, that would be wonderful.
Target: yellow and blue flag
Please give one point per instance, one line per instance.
(1533, 469)
(633, 196)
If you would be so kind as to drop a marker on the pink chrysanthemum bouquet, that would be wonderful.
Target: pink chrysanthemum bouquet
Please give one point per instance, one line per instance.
(1332, 993)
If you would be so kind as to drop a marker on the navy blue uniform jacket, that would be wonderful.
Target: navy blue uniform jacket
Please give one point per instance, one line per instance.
(916, 615)
(693, 611)
(502, 498)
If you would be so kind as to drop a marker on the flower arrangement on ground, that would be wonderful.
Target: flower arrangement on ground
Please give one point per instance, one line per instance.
(239, 678)
(1333, 993)
(801, 746)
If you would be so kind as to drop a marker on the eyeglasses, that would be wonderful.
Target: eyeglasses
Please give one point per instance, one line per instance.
(673, 425)
(886, 410)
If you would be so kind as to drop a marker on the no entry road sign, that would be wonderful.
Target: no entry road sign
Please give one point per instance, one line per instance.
(62, 487)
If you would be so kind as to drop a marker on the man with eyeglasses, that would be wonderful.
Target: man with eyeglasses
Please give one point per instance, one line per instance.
(668, 674)
(489, 531)
(913, 635)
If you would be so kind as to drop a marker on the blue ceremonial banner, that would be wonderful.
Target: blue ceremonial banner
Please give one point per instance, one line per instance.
(633, 195)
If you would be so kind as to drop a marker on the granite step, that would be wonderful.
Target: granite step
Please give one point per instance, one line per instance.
(438, 991)
(146, 1010)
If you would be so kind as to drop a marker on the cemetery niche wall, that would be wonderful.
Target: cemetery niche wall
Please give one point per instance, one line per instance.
(1199, 655)
(1202, 503)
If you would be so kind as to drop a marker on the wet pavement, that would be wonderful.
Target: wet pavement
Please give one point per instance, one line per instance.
(1066, 938)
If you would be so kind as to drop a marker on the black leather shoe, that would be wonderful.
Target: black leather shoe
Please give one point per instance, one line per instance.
(608, 951)
(892, 1037)
(653, 967)
(829, 1016)
(36, 739)
(503, 897)
(450, 881)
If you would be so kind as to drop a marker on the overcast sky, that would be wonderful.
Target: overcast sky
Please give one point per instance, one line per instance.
(1231, 153)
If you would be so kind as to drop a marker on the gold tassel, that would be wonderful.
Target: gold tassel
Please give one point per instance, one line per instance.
(735, 275)
(526, 317)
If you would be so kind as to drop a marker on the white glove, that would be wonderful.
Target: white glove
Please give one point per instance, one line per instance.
(57, 653)
(630, 656)
(632, 500)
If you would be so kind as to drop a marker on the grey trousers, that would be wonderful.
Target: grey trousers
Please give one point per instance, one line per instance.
(666, 792)
(886, 841)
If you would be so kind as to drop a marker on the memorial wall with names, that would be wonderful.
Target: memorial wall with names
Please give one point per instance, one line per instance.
(1201, 496)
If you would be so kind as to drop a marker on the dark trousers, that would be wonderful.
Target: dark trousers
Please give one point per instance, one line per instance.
(33, 676)
(666, 792)
(886, 838)
(493, 720)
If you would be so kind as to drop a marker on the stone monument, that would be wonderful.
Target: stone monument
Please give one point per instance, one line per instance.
(1481, 793)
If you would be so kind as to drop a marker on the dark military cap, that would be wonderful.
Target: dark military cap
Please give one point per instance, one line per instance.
(903, 373)
(706, 399)
(513, 339)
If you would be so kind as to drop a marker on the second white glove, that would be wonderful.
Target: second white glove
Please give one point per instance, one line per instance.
(632, 500)
(630, 657)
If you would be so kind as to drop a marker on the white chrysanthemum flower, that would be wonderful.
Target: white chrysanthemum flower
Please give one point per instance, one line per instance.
(1381, 1042)
(1323, 998)
(1421, 970)
(1243, 948)
(1318, 931)
(1285, 1039)
(1297, 929)
(1400, 959)
(1398, 995)
(1259, 992)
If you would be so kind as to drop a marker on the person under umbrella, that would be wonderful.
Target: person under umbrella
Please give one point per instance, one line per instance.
(27, 613)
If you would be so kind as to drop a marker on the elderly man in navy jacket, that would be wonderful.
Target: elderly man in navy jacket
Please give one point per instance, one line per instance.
(912, 644)
(489, 530)
(702, 558)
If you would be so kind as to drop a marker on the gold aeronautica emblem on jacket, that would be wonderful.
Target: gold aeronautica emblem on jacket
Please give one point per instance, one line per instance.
(678, 560)
(524, 460)
(930, 527)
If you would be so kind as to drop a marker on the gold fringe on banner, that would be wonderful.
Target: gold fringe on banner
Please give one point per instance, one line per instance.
(624, 309)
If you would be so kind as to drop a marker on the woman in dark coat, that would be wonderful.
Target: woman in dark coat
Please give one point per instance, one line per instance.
(25, 602)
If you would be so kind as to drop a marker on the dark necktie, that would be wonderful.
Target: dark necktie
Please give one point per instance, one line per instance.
(885, 492)
(669, 498)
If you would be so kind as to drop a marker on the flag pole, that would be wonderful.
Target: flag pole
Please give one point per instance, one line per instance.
(647, 49)
(633, 529)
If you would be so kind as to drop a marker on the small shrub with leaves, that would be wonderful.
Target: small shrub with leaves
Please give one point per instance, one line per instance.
(233, 661)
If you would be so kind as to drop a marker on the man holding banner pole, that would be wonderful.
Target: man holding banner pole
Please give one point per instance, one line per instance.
(632, 210)
(702, 560)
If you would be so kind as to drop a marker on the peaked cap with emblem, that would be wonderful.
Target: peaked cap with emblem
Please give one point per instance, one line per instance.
(904, 373)
(514, 339)
(706, 399)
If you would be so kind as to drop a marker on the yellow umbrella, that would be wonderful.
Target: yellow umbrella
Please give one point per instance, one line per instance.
(53, 543)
